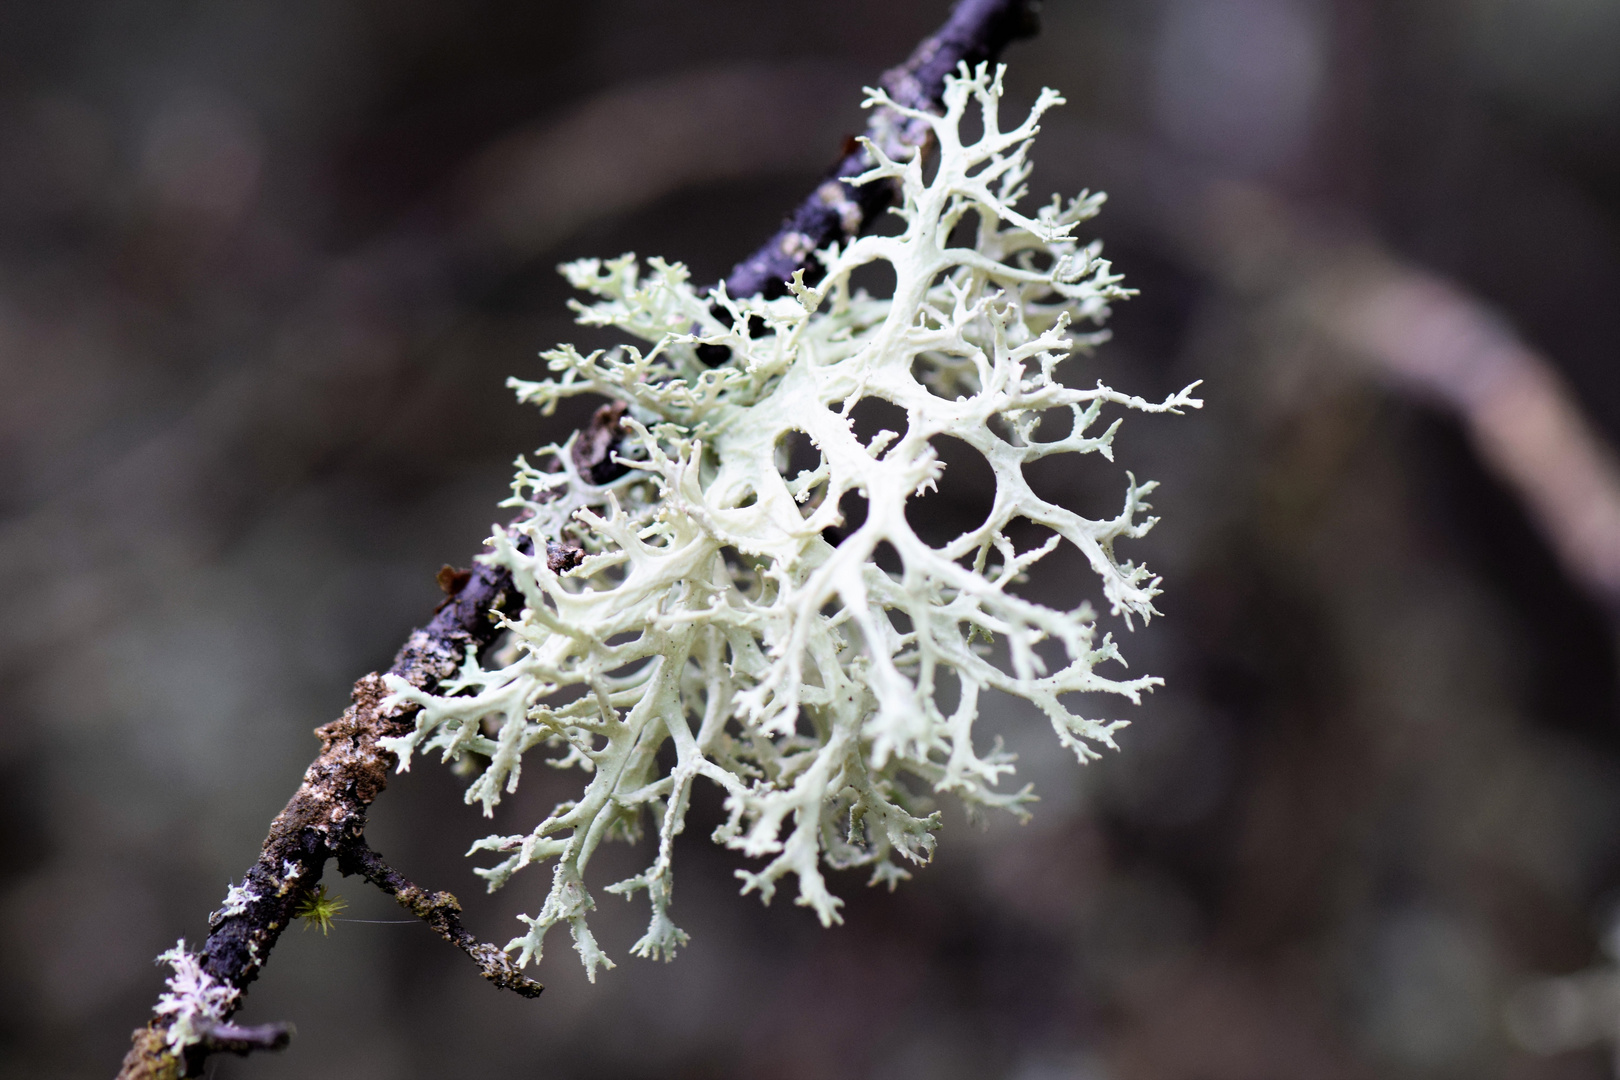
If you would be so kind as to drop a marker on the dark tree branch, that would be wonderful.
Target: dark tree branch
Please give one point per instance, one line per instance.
(242, 1040)
(326, 817)
(439, 910)
(977, 31)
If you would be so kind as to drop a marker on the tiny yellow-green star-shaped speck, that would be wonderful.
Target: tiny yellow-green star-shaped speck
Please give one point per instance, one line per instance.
(319, 909)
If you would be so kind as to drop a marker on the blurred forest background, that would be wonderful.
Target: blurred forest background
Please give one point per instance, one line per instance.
(265, 265)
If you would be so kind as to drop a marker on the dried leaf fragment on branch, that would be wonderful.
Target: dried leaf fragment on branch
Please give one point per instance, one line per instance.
(710, 610)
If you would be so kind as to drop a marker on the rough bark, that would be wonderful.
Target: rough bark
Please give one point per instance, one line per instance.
(441, 911)
(326, 817)
(976, 31)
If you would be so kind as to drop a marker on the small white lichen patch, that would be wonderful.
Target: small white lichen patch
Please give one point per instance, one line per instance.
(719, 627)
(194, 1000)
(237, 899)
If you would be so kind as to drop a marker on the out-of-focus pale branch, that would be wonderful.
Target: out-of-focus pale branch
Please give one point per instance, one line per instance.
(635, 142)
(1429, 337)
(1396, 322)
(1521, 415)
(1566, 1012)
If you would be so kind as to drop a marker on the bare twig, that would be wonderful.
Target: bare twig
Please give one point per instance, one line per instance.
(439, 910)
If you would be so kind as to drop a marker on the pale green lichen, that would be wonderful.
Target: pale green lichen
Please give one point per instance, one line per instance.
(712, 613)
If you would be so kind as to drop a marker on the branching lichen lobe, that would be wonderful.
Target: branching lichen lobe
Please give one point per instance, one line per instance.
(724, 606)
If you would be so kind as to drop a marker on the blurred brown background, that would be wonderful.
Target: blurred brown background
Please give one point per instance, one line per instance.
(264, 267)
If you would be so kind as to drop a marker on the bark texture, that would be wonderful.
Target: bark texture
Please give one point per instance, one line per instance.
(326, 819)
(976, 32)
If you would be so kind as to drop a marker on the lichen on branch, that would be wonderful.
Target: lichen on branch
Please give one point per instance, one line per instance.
(715, 604)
